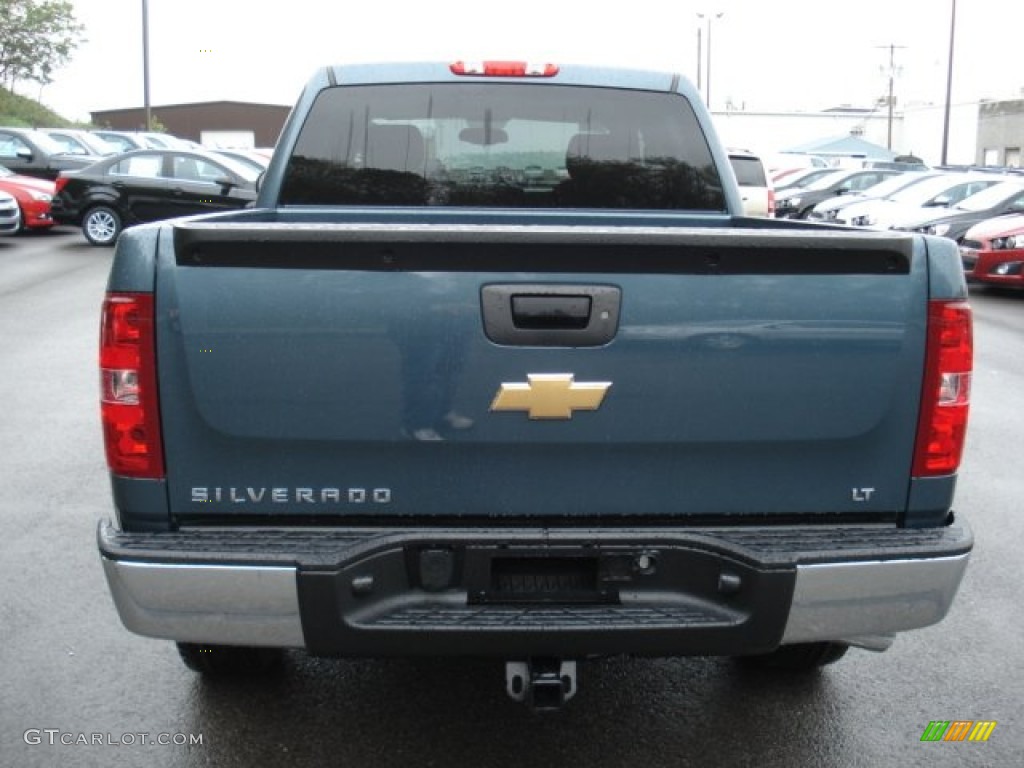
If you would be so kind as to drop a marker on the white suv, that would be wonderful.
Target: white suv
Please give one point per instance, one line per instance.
(755, 187)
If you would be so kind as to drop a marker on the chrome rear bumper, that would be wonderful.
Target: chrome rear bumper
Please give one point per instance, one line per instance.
(844, 601)
(856, 597)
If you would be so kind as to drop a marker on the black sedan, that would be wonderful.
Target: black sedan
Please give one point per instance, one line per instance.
(1000, 199)
(150, 185)
(798, 203)
(33, 153)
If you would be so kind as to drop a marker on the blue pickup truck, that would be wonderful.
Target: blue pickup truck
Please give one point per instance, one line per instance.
(495, 367)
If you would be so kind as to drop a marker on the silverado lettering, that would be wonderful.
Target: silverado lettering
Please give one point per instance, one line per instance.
(287, 495)
(592, 408)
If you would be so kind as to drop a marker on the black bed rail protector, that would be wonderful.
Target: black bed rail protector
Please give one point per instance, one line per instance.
(568, 249)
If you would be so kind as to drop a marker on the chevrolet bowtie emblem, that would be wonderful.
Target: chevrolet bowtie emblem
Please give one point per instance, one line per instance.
(550, 396)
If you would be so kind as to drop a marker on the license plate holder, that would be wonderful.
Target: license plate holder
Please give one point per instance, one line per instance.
(544, 579)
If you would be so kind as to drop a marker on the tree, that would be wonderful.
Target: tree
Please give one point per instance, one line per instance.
(37, 38)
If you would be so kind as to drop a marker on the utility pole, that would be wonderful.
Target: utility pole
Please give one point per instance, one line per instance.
(145, 63)
(700, 51)
(949, 85)
(892, 77)
(708, 93)
(711, 16)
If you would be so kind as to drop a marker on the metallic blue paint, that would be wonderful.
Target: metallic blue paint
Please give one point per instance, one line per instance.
(731, 394)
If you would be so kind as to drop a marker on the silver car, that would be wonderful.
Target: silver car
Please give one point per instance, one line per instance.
(10, 215)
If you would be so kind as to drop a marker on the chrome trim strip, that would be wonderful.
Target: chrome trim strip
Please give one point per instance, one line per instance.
(231, 605)
(836, 600)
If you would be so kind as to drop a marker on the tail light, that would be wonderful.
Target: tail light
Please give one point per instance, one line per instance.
(947, 389)
(503, 69)
(128, 395)
(59, 184)
(771, 202)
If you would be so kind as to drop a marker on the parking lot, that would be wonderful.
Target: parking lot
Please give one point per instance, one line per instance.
(79, 690)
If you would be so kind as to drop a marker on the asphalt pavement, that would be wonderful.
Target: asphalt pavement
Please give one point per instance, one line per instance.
(79, 690)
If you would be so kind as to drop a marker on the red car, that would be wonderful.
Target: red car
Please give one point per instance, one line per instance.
(993, 251)
(33, 195)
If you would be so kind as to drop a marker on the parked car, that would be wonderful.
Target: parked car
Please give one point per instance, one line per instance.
(800, 177)
(126, 141)
(903, 163)
(77, 141)
(998, 200)
(254, 160)
(828, 210)
(123, 141)
(914, 202)
(993, 251)
(781, 164)
(33, 153)
(10, 215)
(756, 190)
(149, 185)
(156, 140)
(33, 197)
(797, 203)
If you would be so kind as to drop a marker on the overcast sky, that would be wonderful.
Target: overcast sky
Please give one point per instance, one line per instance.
(786, 54)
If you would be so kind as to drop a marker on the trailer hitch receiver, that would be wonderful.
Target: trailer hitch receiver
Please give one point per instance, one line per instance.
(542, 684)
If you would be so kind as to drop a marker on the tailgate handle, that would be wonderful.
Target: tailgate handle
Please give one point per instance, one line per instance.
(550, 315)
(551, 312)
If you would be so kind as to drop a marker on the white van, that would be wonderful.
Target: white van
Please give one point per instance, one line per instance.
(755, 187)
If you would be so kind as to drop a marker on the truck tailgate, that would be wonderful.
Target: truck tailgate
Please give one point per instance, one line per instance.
(341, 371)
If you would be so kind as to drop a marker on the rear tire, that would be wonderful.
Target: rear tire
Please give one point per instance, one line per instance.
(101, 225)
(799, 657)
(229, 660)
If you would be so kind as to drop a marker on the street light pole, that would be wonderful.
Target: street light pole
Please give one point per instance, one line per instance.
(711, 17)
(949, 84)
(892, 76)
(145, 63)
(700, 52)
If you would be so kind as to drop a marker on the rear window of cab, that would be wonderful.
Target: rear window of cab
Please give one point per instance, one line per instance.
(502, 145)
